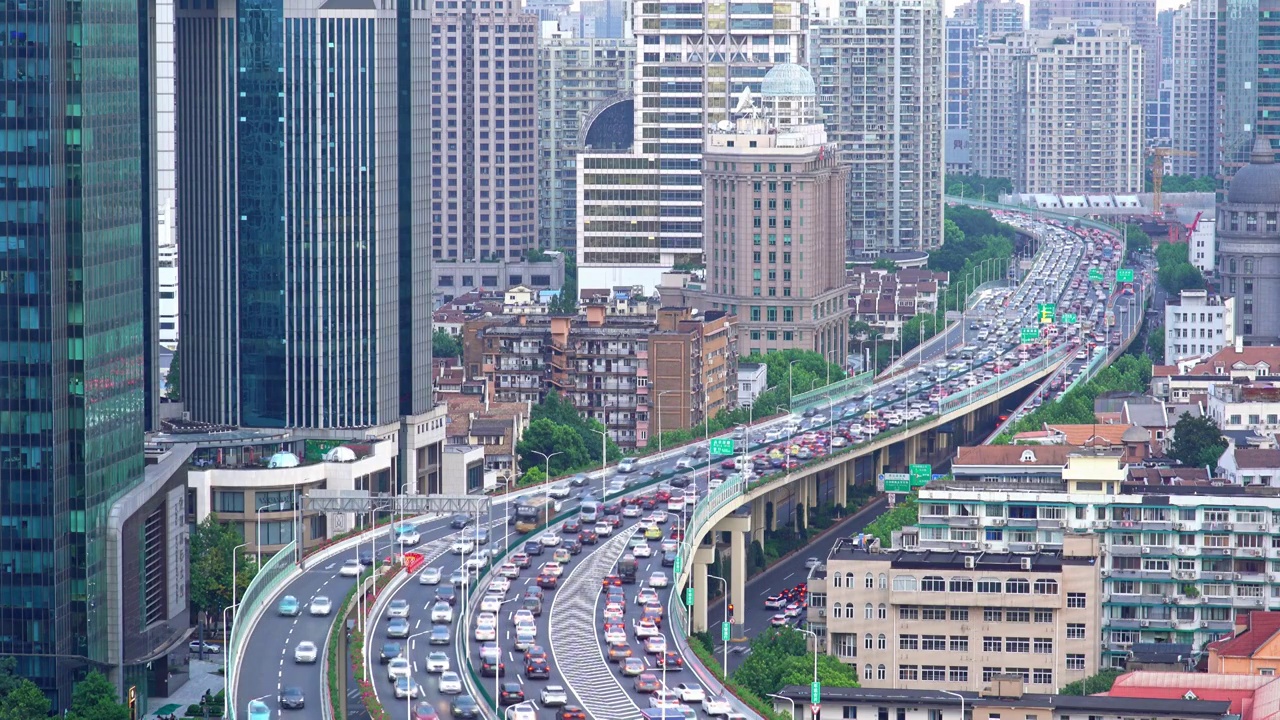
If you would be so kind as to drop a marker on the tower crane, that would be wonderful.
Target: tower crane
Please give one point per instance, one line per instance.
(1158, 154)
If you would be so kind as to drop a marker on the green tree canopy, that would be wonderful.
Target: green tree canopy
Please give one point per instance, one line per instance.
(566, 303)
(904, 514)
(885, 264)
(832, 672)
(94, 698)
(24, 702)
(173, 380)
(1128, 374)
(1183, 183)
(444, 344)
(1092, 685)
(556, 426)
(1176, 272)
(1135, 239)
(1197, 442)
(212, 547)
(976, 186)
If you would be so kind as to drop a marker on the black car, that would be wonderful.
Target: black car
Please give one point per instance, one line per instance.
(680, 481)
(537, 670)
(533, 547)
(490, 667)
(572, 544)
(464, 706)
(571, 526)
(292, 699)
(511, 694)
(613, 508)
(668, 559)
(460, 521)
(365, 557)
(447, 594)
(588, 537)
(390, 651)
(579, 480)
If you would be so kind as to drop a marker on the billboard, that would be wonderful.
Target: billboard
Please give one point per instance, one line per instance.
(956, 151)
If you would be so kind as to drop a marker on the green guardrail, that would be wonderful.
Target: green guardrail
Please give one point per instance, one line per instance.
(847, 385)
(260, 590)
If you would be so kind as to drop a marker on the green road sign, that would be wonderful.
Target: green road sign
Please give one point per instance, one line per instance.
(1030, 334)
(688, 596)
(724, 631)
(897, 482)
(920, 475)
(1047, 311)
(1095, 275)
(722, 446)
(815, 692)
(1124, 275)
(1070, 318)
(679, 564)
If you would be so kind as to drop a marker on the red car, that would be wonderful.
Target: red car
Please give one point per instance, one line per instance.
(424, 711)
(647, 683)
(670, 660)
(571, 712)
(610, 581)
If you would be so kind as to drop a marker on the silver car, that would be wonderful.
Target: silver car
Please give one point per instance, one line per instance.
(398, 608)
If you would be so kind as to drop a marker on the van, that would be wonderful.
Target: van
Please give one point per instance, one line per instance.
(532, 604)
(628, 465)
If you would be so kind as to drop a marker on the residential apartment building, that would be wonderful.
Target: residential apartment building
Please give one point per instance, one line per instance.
(957, 620)
(1193, 123)
(167, 284)
(602, 364)
(1202, 244)
(576, 76)
(1178, 561)
(1139, 16)
(772, 178)
(640, 210)
(1244, 68)
(1157, 116)
(1059, 111)
(1245, 407)
(961, 36)
(1199, 325)
(880, 75)
(992, 17)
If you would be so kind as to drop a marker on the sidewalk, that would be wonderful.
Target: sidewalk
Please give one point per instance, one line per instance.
(203, 677)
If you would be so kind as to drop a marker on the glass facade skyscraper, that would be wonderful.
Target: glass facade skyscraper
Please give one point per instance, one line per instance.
(73, 354)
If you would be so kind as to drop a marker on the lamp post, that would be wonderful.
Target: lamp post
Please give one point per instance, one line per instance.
(604, 458)
(546, 481)
(408, 696)
(815, 651)
(257, 528)
(956, 694)
(783, 697)
(724, 663)
(664, 392)
(235, 552)
(228, 700)
(790, 391)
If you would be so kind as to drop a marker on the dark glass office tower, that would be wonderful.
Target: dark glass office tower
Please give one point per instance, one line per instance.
(303, 152)
(73, 367)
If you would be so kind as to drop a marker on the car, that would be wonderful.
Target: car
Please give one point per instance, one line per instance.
(440, 635)
(464, 545)
(437, 662)
(793, 610)
(398, 608)
(289, 606)
(559, 491)
(775, 602)
(561, 556)
(450, 683)
(571, 712)
(647, 628)
(579, 480)
(490, 651)
(446, 593)
(291, 698)
(669, 559)
(321, 606)
(442, 612)
(499, 585)
(522, 560)
(407, 689)
(669, 660)
(508, 570)
(533, 548)
(646, 682)
(511, 693)
(491, 603)
(716, 706)
(429, 576)
(631, 667)
(655, 644)
(631, 511)
(424, 711)
(390, 651)
(659, 580)
(398, 667)
(664, 699)
(619, 652)
(398, 628)
(477, 562)
(610, 581)
(458, 577)
(628, 465)
(409, 537)
(778, 620)
(603, 529)
(351, 568)
(588, 536)
(573, 545)
(464, 706)
(258, 710)
(615, 633)
(522, 711)
(305, 652)
(653, 532)
(690, 692)
(550, 540)
(525, 637)
(537, 670)
(459, 521)
(572, 526)
(553, 696)
(196, 646)
(523, 617)
(492, 668)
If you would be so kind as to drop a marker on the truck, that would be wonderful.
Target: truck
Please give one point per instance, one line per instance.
(627, 568)
(534, 512)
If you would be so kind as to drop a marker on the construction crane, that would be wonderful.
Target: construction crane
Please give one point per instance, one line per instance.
(1158, 154)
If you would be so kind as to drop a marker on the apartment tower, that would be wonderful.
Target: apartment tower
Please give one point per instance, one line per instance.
(880, 78)
(1192, 59)
(1059, 110)
(1139, 16)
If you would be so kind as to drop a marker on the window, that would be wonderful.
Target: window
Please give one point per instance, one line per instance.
(987, 674)
(960, 614)
(959, 643)
(908, 612)
(1017, 586)
(958, 674)
(1075, 661)
(882, 581)
(904, 583)
(867, 641)
(990, 585)
(228, 502)
(1044, 616)
(1017, 645)
(1075, 631)
(1046, 586)
(274, 501)
(908, 642)
(880, 672)
(882, 612)
(882, 642)
(961, 584)
(933, 613)
(933, 642)
(935, 673)
(868, 612)
(992, 615)
(1042, 676)
(908, 672)
(992, 644)
(1018, 615)
(1075, 600)
(1043, 646)
(276, 532)
(870, 581)
(933, 583)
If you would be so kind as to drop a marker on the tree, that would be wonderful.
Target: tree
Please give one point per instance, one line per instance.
(212, 547)
(444, 344)
(546, 436)
(94, 698)
(1155, 342)
(762, 670)
(1092, 685)
(904, 514)
(885, 264)
(24, 701)
(173, 380)
(1135, 239)
(976, 186)
(566, 303)
(832, 672)
(1197, 442)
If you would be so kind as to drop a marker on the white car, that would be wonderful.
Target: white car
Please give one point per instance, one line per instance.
(631, 511)
(690, 692)
(523, 711)
(642, 551)
(450, 683)
(409, 538)
(437, 662)
(664, 699)
(398, 608)
(500, 585)
(305, 652)
(407, 687)
(398, 667)
(554, 696)
(430, 576)
(351, 568)
(615, 636)
(659, 580)
(486, 627)
(559, 491)
(523, 616)
(550, 540)
(321, 606)
(442, 612)
(491, 603)
(604, 529)
(464, 545)
(476, 564)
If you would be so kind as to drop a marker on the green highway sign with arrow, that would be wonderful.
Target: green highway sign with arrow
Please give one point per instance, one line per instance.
(722, 446)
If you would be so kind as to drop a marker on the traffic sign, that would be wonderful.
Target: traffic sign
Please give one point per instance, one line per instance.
(1030, 334)
(1124, 275)
(724, 631)
(722, 446)
(1070, 318)
(816, 709)
(1047, 311)
(688, 596)
(815, 692)
(678, 565)
(920, 475)
(896, 482)
(1095, 275)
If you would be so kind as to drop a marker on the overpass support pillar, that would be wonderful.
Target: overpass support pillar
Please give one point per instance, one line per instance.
(882, 460)
(842, 482)
(700, 591)
(737, 527)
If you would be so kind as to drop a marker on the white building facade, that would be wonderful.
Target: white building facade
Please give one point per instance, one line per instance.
(1199, 325)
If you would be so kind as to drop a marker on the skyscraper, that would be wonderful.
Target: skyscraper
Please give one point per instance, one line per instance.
(1139, 16)
(1192, 102)
(79, 354)
(961, 37)
(643, 215)
(323, 153)
(992, 17)
(880, 79)
(1059, 110)
(1245, 69)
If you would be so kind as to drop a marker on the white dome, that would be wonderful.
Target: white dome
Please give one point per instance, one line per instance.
(788, 80)
(283, 460)
(342, 453)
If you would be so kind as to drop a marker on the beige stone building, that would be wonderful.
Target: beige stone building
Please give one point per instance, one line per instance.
(955, 620)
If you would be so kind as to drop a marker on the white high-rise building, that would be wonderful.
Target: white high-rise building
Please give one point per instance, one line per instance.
(880, 87)
(1060, 110)
(640, 212)
(1192, 117)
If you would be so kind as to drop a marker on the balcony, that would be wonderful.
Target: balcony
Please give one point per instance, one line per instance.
(1126, 550)
(1250, 601)
(1022, 522)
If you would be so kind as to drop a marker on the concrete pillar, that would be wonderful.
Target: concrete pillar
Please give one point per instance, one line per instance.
(699, 594)
(738, 573)
(842, 482)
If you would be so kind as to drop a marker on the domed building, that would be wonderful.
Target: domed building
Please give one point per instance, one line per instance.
(1248, 260)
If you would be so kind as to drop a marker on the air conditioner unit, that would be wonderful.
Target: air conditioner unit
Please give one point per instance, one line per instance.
(1146, 551)
(1229, 526)
(998, 522)
(1168, 598)
(1204, 623)
(1106, 573)
(1146, 623)
(1179, 526)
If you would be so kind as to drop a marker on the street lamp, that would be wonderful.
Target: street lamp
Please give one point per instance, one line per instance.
(257, 527)
(664, 392)
(815, 651)
(546, 481)
(235, 552)
(604, 457)
(408, 696)
(790, 391)
(956, 694)
(784, 697)
(229, 702)
(724, 664)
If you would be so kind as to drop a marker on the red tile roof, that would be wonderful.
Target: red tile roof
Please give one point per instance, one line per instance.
(1261, 627)
(1227, 358)
(1251, 696)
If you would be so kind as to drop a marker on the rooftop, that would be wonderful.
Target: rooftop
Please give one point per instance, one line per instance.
(848, 549)
(1014, 455)
(1260, 626)
(1064, 703)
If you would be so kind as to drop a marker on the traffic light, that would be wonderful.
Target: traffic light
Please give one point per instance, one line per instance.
(730, 609)
(133, 702)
